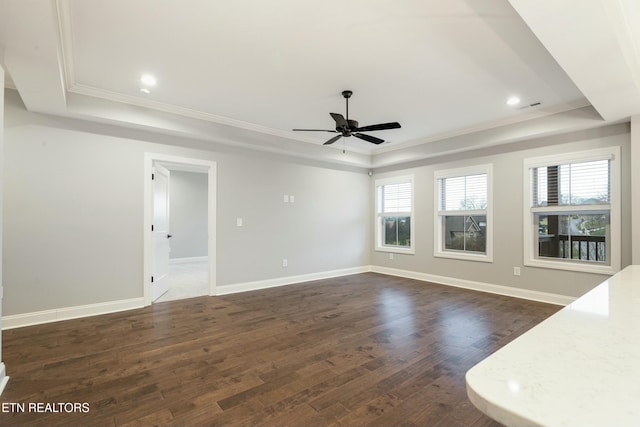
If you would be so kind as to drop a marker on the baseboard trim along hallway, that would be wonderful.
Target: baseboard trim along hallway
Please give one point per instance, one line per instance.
(67, 313)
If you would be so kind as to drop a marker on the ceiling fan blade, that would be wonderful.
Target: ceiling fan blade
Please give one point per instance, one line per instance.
(314, 130)
(381, 126)
(332, 140)
(340, 121)
(368, 138)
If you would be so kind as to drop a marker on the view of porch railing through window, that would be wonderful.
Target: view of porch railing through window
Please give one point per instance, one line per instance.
(584, 248)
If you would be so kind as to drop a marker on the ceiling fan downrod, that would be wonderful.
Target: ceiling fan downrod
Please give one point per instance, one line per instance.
(347, 94)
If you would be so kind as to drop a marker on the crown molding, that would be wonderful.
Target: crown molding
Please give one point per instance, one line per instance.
(65, 31)
(536, 113)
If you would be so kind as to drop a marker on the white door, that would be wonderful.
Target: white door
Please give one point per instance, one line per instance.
(160, 232)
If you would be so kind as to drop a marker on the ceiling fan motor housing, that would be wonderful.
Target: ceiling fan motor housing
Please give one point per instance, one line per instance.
(346, 130)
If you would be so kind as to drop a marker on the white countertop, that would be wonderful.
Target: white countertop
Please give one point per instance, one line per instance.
(580, 367)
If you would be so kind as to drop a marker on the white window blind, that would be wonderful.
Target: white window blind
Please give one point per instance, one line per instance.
(394, 214)
(586, 183)
(463, 217)
(396, 197)
(572, 211)
(463, 193)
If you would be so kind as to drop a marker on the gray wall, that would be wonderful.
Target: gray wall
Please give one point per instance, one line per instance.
(508, 216)
(74, 212)
(188, 214)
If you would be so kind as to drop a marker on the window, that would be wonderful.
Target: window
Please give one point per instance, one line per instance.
(463, 213)
(394, 214)
(572, 211)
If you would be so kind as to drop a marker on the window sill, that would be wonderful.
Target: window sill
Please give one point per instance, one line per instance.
(608, 270)
(463, 256)
(395, 250)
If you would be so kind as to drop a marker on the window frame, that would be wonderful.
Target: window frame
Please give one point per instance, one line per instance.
(531, 247)
(439, 215)
(379, 214)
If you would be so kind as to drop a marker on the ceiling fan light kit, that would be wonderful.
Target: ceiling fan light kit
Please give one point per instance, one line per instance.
(346, 127)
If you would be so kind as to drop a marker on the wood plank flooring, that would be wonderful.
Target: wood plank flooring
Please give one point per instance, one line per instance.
(360, 350)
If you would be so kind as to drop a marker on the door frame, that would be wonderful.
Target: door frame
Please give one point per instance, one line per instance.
(209, 167)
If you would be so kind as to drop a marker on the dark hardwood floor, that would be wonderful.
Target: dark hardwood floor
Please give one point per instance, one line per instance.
(366, 349)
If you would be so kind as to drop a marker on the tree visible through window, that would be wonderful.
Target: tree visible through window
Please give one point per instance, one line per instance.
(572, 220)
(462, 214)
(583, 189)
(394, 206)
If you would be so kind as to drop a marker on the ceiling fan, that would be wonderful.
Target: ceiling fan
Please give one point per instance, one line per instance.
(347, 127)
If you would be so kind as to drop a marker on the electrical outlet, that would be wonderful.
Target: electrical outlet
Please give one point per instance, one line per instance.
(239, 222)
(516, 271)
(285, 263)
(391, 256)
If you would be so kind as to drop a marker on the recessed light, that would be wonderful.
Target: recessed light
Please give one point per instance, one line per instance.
(144, 90)
(514, 100)
(148, 80)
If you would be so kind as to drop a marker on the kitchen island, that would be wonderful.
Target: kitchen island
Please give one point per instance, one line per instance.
(580, 367)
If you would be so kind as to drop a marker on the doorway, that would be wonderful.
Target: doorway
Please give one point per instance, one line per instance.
(166, 277)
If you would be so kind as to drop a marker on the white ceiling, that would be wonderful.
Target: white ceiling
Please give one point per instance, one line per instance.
(246, 72)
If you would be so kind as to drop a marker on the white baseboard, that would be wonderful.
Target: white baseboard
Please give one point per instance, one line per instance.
(67, 313)
(478, 286)
(425, 277)
(4, 379)
(188, 260)
(290, 280)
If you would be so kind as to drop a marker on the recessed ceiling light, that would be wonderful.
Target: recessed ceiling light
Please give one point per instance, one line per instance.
(514, 100)
(148, 80)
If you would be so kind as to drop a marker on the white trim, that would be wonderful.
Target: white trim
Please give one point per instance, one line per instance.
(530, 115)
(568, 209)
(607, 153)
(396, 250)
(211, 168)
(463, 255)
(478, 286)
(378, 246)
(528, 227)
(425, 277)
(187, 260)
(634, 185)
(564, 264)
(67, 313)
(180, 167)
(463, 171)
(401, 179)
(4, 379)
(471, 212)
(438, 250)
(290, 280)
